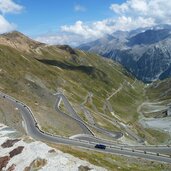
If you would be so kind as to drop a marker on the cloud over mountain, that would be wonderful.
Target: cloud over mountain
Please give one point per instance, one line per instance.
(157, 11)
(129, 15)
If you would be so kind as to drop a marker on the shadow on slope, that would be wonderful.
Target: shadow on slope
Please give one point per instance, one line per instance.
(89, 70)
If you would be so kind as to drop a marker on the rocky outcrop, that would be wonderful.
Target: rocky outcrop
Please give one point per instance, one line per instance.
(36, 164)
(19, 41)
(68, 49)
(83, 168)
(9, 143)
(4, 161)
(16, 151)
(37, 156)
(52, 151)
(11, 168)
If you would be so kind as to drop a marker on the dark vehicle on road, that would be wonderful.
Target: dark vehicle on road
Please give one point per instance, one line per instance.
(100, 146)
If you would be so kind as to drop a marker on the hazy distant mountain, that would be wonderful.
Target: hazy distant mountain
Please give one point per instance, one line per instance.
(144, 52)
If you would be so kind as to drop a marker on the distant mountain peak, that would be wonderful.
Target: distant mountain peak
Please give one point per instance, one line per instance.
(18, 41)
(68, 49)
(14, 33)
(136, 50)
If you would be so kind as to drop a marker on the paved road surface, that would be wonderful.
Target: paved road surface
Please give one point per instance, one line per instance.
(83, 125)
(73, 115)
(34, 131)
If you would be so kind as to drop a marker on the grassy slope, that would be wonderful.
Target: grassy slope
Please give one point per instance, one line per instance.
(159, 91)
(9, 115)
(34, 77)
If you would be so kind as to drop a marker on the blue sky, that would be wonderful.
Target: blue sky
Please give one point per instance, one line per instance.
(41, 16)
(78, 21)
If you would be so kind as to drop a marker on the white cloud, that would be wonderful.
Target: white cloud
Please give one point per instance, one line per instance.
(82, 29)
(95, 30)
(60, 39)
(5, 26)
(81, 32)
(129, 15)
(128, 23)
(158, 10)
(78, 33)
(8, 6)
(79, 8)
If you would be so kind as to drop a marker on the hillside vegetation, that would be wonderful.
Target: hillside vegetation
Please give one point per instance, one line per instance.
(34, 73)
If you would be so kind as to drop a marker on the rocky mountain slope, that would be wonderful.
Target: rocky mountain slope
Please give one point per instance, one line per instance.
(19, 41)
(144, 52)
(27, 155)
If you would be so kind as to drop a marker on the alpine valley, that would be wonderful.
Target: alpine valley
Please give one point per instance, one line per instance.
(56, 100)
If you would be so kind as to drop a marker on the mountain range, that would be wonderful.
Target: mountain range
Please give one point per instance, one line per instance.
(101, 91)
(145, 52)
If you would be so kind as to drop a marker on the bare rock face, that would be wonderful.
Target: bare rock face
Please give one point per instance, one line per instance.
(11, 168)
(83, 168)
(27, 168)
(36, 164)
(52, 151)
(9, 143)
(68, 49)
(4, 161)
(37, 156)
(16, 151)
(19, 41)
